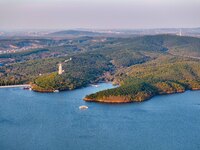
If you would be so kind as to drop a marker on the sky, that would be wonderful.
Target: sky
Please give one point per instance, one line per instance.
(99, 14)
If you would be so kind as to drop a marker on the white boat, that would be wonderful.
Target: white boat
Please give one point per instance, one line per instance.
(83, 107)
(56, 91)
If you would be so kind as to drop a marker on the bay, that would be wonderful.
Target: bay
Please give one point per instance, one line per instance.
(53, 121)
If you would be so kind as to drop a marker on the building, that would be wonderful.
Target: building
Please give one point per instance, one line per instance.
(60, 71)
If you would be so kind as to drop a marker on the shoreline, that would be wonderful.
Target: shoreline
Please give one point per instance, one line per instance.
(36, 88)
(119, 100)
(122, 101)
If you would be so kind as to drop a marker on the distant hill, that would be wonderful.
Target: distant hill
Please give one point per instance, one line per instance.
(74, 33)
(174, 31)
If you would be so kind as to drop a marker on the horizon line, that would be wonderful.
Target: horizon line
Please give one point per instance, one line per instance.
(46, 29)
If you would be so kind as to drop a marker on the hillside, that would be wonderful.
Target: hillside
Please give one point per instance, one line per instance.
(165, 75)
(80, 71)
(94, 56)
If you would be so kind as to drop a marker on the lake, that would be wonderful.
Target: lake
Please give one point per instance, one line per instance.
(53, 121)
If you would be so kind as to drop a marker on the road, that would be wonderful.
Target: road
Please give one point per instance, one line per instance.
(184, 56)
(15, 86)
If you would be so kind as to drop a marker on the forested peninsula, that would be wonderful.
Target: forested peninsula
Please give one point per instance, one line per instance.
(165, 75)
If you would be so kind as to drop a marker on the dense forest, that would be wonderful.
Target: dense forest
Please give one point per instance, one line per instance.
(165, 75)
(78, 72)
(144, 66)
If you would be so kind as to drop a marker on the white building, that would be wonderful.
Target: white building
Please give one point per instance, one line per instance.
(60, 70)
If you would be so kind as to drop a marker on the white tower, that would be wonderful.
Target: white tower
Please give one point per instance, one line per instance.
(60, 71)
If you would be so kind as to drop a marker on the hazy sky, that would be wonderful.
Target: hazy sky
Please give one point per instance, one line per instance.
(112, 14)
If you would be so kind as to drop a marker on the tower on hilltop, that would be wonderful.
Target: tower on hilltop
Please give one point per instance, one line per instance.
(60, 70)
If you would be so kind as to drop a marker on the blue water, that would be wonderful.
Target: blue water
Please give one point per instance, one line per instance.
(35, 121)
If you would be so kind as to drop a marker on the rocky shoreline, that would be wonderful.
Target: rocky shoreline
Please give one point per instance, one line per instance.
(127, 99)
